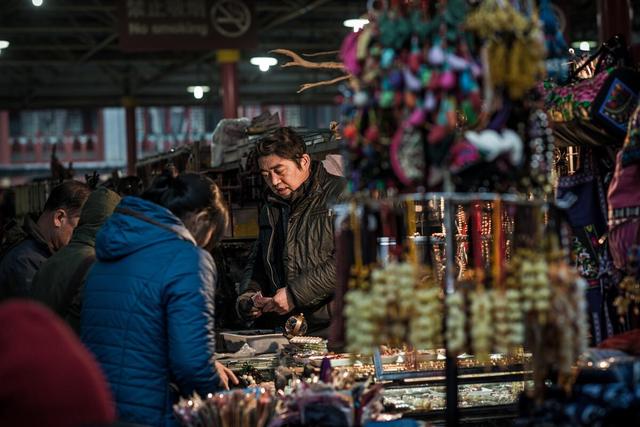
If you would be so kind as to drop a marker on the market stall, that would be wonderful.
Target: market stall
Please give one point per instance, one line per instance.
(470, 208)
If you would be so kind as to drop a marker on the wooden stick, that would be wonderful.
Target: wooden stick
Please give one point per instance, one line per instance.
(297, 61)
(329, 52)
(323, 83)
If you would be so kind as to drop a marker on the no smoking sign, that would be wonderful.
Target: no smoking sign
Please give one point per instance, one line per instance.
(231, 18)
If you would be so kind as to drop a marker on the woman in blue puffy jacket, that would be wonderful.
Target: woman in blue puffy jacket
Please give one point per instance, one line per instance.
(147, 311)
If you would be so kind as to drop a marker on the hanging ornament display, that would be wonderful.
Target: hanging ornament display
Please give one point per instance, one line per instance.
(414, 76)
(534, 283)
(400, 305)
(426, 324)
(481, 327)
(514, 44)
(628, 300)
(541, 149)
(455, 323)
(556, 64)
(567, 329)
(500, 321)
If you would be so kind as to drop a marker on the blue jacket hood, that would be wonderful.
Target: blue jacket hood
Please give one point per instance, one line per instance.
(136, 224)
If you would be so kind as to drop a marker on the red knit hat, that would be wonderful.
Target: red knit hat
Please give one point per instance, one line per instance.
(47, 378)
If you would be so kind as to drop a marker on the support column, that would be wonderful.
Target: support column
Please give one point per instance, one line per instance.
(5, 149)
(132, 146)
(614, 17)
(228, 59)
(99, 154)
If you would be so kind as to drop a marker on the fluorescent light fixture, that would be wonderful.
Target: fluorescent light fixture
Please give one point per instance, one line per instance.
(198, 91)
(37, 3)
(4, 44)
(356, 24)
(584, 45)
(264, 62)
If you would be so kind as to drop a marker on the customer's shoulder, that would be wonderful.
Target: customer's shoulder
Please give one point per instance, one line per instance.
(189, 257)
(26, 249)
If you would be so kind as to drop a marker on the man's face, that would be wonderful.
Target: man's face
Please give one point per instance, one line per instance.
(64, 222)
(284, 176)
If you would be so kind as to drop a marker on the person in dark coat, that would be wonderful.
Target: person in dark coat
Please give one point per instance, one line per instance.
(38, 240)
(58, 282)
(292, 267)
(147, 311)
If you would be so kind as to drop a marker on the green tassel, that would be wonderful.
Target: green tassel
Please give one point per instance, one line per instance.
(386, 99)
(425, 76)
(469, 112)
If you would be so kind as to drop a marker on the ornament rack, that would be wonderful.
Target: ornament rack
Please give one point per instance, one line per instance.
(483, 231)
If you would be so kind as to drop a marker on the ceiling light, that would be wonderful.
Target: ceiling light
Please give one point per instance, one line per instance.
(584, 45)
(4, 44)
(264, 62)
(37, 3)
(356, 24)
(198, 91)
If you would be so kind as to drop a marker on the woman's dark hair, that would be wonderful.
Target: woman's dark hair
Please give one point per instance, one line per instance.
(70, 196)
(193, 198)
(129, 186)
(283, 142)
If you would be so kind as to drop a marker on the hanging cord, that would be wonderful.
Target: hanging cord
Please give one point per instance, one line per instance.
(498, 251)
(411, 232)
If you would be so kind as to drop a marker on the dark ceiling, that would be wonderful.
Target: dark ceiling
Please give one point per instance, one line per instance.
(66, 54)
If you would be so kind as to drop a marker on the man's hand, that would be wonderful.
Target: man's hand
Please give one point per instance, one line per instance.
(250, 306)
(260, 301)
(281, 302)
(225, 375)
(246, 309)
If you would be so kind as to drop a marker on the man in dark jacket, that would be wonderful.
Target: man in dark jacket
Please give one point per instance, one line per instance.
(41, 239)
(292, 266)
(58, 282)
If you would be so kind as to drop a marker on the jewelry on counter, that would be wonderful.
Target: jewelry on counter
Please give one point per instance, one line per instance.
(425, 398)
(296, 325)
